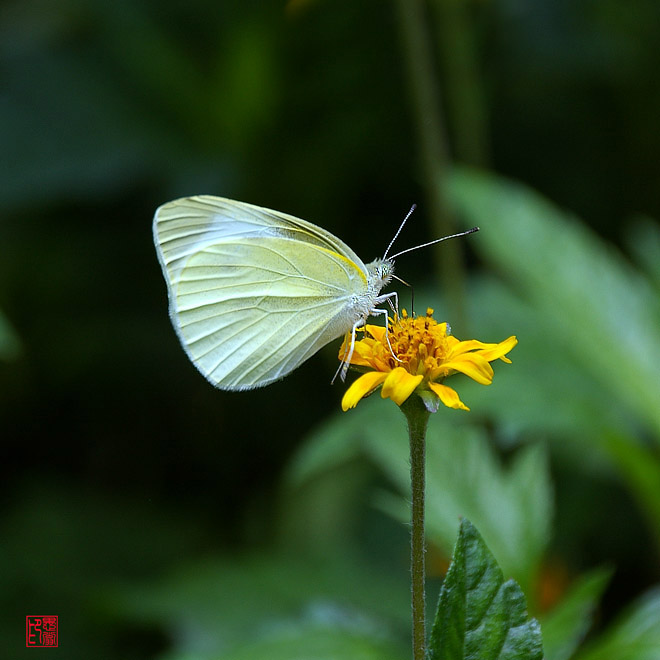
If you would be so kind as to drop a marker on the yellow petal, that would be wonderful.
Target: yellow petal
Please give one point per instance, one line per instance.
(364, 385)
(448, 396)
(472, 365)
(452, 342)
(489, 351)
(377, 332)
(499, 350)
(363, 353)
(460, 347)
(399, 385)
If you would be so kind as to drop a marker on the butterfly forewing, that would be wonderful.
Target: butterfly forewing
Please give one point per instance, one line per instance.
(253, 293)
(183, 226)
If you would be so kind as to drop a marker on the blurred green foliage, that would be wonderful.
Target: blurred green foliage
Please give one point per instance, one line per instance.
(163, 519)
(10, 345)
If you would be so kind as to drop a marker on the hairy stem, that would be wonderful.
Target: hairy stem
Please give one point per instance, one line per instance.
(417, 417)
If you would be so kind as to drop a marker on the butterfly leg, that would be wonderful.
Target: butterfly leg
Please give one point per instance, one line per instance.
(342, 370)
(395, 308)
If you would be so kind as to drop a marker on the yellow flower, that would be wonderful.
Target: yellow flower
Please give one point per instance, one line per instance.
(421, 356)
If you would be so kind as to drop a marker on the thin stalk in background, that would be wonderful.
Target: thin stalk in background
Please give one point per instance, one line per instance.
(467, 114)
(434, 152)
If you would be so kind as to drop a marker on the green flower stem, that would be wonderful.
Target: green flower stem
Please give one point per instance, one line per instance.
(417, 416)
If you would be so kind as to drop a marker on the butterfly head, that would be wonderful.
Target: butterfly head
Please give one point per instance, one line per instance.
(381, 272)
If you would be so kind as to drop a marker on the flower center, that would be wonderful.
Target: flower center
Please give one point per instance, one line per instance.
(419, 343)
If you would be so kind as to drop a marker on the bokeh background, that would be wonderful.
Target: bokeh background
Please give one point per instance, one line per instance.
(160, 518)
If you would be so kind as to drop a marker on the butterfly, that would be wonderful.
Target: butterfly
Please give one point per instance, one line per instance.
(253, 292)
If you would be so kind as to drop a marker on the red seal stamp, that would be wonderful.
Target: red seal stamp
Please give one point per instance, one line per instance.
(40, 630)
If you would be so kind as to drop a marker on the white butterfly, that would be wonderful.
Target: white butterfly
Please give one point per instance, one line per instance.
(254, 293)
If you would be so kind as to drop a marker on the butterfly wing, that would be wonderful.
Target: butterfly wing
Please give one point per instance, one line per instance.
(253, 292)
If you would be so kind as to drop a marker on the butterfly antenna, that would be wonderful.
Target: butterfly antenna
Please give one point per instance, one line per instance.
(398, 231)
(437, 240)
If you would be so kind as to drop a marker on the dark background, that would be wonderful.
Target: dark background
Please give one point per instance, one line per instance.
(108, 109)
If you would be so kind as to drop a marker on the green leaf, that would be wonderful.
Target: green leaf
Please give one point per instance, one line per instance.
(593, 303)
(480, 616)
(512, 505)
(318, 643)
(565, 627)
(587, 324)
(343, 437)
(634, 636)
(10, 345)
(234, 605)
(641, 469)
(644, 243)
(519, 409)
(315, 641)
